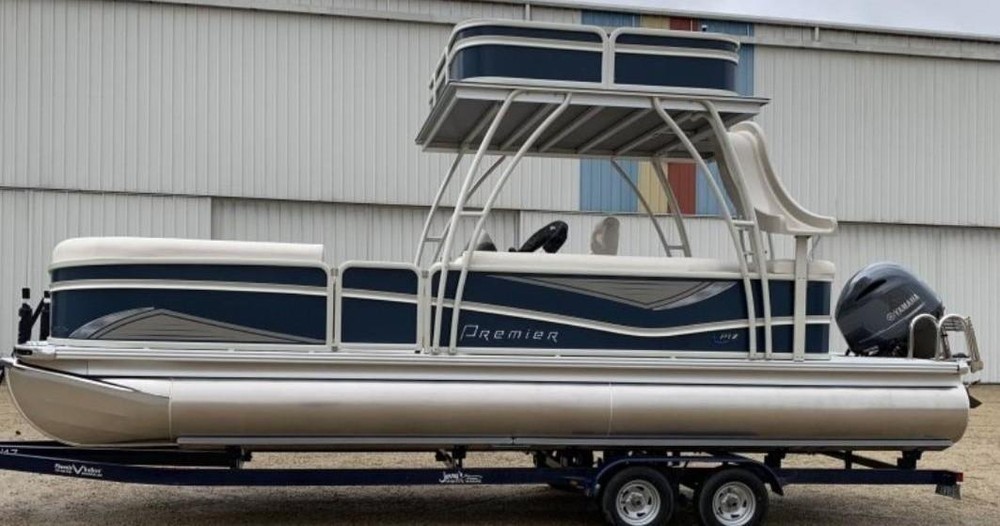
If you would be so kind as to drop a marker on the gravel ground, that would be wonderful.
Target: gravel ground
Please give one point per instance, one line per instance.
(36, 499)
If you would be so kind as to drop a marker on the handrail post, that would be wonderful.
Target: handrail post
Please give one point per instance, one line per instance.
(435, 205)
(799, 311)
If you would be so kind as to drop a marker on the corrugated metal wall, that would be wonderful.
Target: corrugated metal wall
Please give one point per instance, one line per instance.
(146, 97)
(884, 138)
(348, 232)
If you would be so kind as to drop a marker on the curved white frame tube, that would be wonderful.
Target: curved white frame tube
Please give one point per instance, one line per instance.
(487, 207)
(727, 215)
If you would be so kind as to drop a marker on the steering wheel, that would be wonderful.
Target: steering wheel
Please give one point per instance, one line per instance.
(549, 238)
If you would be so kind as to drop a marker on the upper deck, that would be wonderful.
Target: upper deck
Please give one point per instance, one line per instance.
(613, 80)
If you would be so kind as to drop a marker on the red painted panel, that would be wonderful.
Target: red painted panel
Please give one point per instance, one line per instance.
(681, 177)
(686, 24)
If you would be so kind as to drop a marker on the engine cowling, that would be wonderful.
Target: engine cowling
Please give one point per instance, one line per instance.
(877, 305)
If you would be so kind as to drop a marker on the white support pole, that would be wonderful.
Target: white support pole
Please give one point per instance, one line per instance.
(756, 239)
(645, 205)
(489, 171)
(675, 207)
(456, 215)
(487, 207)
(434, 207)
(727, 215)
(801, 285)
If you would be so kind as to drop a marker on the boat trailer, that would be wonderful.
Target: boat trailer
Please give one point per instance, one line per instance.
(627, 485)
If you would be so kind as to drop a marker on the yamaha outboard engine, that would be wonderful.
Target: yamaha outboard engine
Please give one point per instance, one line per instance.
(877, 305)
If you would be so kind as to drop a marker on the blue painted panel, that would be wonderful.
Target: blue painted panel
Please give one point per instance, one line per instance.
(531, 292)
(291, 314)
(373, 321)
(744, 73)
(609, 19)
(480, 329)
(705, 202)
(602, 188)
(526, 62)
(402, 281)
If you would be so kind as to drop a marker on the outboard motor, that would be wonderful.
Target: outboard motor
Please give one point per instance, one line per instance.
(877, 305)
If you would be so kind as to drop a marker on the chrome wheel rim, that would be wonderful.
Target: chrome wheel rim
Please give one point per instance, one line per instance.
(734, 504)
(638, 503)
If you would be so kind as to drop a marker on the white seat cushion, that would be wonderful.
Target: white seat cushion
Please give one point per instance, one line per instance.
(122, 249)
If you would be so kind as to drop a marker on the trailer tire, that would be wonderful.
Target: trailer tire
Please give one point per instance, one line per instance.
(732, 497)
(638, 496)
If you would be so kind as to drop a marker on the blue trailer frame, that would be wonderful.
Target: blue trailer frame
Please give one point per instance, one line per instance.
(179, 467)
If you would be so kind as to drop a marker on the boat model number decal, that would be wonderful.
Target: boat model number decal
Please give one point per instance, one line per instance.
(8, 451)
(726, 337)
(459, 477)
(902, 308)
(474, 333)
(77, 470)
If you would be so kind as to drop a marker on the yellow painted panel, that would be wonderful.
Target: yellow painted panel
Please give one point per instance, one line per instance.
(655, 22)
(650, 188)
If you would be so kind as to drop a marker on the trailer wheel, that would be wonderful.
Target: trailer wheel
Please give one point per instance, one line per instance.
(732, 497)
(638, 496)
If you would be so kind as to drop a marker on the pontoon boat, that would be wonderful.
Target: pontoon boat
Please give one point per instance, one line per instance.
(262, 346)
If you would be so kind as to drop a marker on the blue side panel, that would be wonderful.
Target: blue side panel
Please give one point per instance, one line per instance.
(705, 202)
(602, 188)
(744, 71)
(481, 329)
(402, 281)
(373, 320)
(632, 306)
(369, 321)
(609, 19)
(290, 314)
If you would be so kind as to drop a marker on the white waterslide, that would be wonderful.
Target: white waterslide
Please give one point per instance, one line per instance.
(777, 211)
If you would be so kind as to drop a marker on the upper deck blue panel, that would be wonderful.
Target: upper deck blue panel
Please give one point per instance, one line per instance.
(590, 54)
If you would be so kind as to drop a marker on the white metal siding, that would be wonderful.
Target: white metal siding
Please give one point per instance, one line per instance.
(884, 138)
(145, 97)
(33, 222)
(958, 263)
(349, 232)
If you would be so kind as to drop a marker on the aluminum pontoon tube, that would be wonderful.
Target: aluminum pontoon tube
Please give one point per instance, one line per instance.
(163, 410)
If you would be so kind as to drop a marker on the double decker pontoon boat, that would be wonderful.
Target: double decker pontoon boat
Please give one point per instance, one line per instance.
(204, 344)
